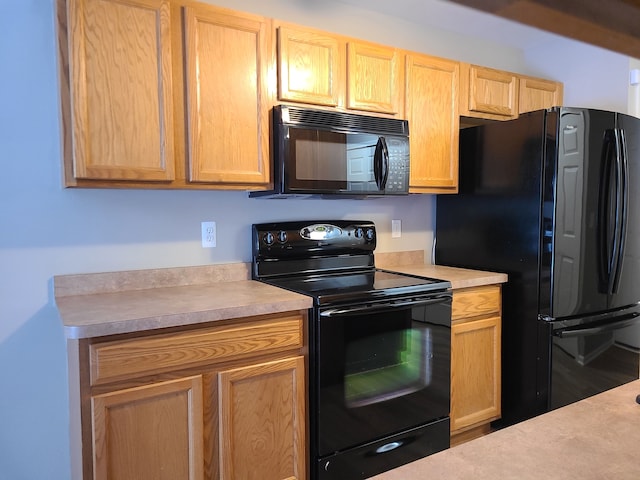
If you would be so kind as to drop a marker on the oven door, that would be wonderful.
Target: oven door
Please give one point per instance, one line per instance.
(380, 369)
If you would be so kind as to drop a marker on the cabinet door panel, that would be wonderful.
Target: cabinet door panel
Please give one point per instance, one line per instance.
(493, 92)
(374, 78)
(475, 372)
(154, 431)
(120, 64)
(311, 67)
(432, 111)
(262, 431)
(227, 99)
(536, 94)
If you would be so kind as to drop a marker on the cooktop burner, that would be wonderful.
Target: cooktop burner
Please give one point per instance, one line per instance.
(332, 261)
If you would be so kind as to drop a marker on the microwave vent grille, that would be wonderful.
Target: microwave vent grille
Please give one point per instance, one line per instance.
(343, 122)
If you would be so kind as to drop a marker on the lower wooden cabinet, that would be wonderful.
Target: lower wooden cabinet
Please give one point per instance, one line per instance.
(262, 421)
(475, 361)
(221, 402)
(153, 431)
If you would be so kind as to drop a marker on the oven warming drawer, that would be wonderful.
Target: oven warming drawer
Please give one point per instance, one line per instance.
(387, 453)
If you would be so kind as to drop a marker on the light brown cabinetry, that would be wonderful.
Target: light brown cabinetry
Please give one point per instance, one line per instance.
(222, 401)
(134, 72)
(262, 421)
(431, 98)
(498, 95)
(117, 90)
(311, 66)
(536, 94)
(374, 78)
(475, 361)
(152, 431)
(227, 106)
(320, 68)
(488, 93)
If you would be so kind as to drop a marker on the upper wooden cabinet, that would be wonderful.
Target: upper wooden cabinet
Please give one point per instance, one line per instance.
(498, 95)
(227, 104)
(536, 93)
(116, 64)
(177, 94)
(164, 94)
(311, 66)
(488, 93)
(374, 78)
(431, 98)
(320, 68)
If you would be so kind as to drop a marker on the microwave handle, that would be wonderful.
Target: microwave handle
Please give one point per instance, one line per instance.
(381, 163)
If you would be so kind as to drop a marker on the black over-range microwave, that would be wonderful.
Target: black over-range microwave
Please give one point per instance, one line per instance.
(319, 152)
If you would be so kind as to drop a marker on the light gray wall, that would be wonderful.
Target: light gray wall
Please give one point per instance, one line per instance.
(46, 230)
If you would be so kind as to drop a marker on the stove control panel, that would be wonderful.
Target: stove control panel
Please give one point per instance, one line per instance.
(319, 236)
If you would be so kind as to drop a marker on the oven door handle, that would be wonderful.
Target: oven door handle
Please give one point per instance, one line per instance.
(357, 310)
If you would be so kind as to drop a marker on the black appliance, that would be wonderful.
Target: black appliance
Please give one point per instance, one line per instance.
(320, 152)
(553, 200)
(379, 347)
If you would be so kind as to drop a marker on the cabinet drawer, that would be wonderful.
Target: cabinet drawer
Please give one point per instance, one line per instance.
(121, 359)
(476, 301)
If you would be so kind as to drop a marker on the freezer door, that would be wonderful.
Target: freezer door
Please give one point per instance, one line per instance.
(626, 286)
(572, 213)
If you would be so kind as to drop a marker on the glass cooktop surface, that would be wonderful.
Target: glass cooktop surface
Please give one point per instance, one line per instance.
(359, 285)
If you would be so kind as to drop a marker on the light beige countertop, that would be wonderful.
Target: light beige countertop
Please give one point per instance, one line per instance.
(597, 438)
(99, 304)
(412, 262)
(95, 305)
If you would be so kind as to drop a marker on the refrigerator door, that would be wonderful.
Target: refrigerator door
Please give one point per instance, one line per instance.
(587, 357)
(626, 290)
(574, 214)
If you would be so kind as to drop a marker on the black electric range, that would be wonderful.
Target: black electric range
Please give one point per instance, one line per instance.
(379, 347)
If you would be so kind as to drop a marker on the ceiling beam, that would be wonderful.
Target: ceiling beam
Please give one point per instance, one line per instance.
(611, 24)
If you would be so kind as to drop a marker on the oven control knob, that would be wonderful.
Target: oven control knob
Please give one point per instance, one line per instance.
(282, 236)
(370, 234)
(359, 233)
(268, 238)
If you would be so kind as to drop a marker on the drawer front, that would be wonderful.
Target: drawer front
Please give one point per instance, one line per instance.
(475, 301)
(122, 359)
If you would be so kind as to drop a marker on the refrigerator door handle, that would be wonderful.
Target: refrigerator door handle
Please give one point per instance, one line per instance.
(606, 231)
(622, 203)
(597, 328)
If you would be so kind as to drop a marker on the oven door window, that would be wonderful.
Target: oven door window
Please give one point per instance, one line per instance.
(380, 372)
(386, 365)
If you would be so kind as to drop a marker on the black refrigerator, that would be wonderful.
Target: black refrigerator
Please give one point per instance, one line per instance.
(553, 200)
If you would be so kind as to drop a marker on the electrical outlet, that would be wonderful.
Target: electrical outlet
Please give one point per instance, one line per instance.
(396, 228)
(208, 234)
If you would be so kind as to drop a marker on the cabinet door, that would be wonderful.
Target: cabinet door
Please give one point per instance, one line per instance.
(475, 372)
(432, 110)
(374, 78)
(149, 432)
(490, 93)
(536, 94)
(226, 61)
(262, 429)
(120, 90)
(311, 67)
